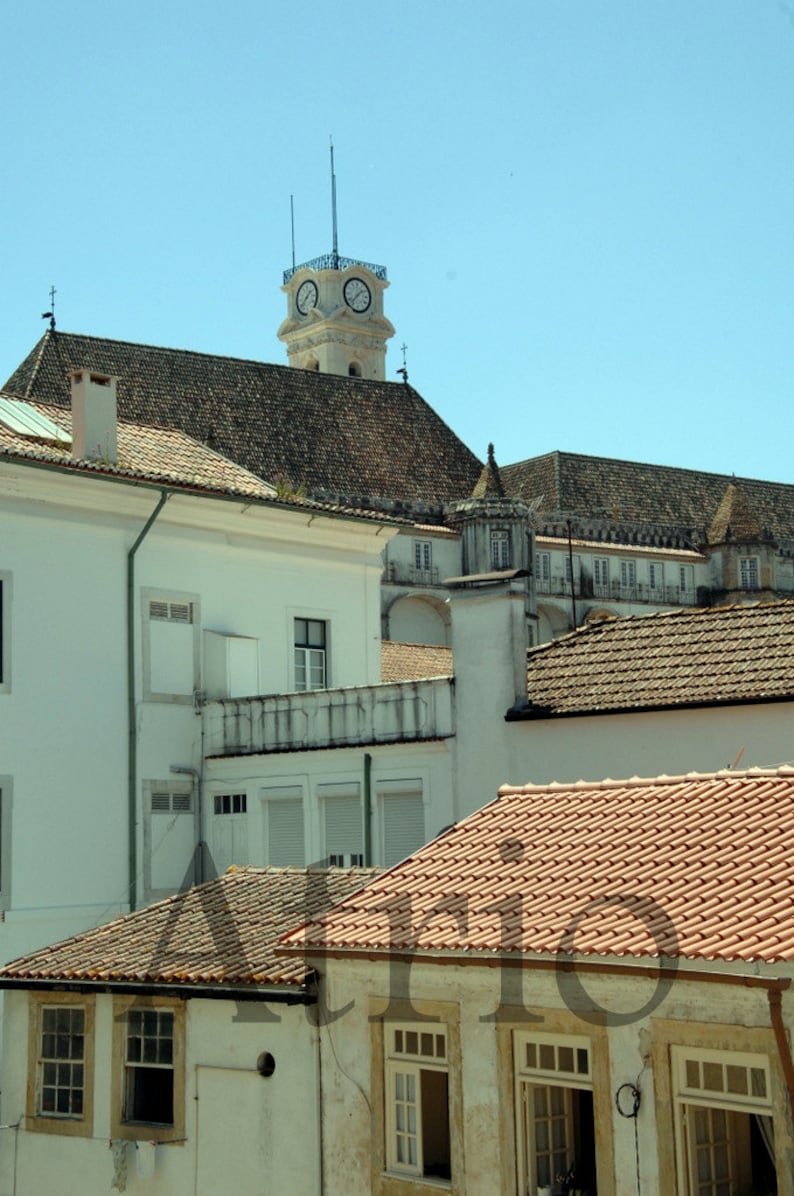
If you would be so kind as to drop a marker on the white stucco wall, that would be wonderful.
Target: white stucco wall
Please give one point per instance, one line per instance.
(482, 1081)
(63, 722)
(258, 1136)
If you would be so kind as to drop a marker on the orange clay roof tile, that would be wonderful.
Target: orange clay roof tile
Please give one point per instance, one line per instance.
(697, 866)
(224, 932)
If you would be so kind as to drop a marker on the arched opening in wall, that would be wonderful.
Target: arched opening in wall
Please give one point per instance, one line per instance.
(354, 370)
(552, 623)
(312, 363)
(416, 619)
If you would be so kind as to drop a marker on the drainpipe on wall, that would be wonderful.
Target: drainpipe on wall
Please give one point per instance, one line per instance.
(775, 998)
(367, 809)
(132, 732)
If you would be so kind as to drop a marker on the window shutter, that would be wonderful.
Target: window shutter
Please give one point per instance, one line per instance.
(343, 820)
(285, 833)
(403, 815)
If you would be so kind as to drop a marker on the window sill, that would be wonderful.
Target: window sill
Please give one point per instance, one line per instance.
(73, 1127)
(418, 1182)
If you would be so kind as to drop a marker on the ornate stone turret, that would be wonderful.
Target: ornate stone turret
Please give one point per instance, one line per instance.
(742, 554)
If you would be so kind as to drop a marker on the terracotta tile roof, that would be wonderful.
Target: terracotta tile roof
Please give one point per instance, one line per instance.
(675, 658)
(144, 453)
(349, 440)
(414, 662)
(163, 456)
(634, 493)
(225, 931)
(707, 862)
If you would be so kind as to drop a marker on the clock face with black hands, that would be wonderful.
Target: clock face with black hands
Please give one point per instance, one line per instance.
(306, 297)
(356, 293)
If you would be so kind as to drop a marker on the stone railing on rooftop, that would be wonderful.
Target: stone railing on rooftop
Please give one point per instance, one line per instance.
(397, 712)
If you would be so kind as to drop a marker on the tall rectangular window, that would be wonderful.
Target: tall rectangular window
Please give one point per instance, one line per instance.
(149, 1067)
(628, 576)
(60, 1064)
(62, 1076)
(343, 819)
(423, 555)
(171, 660)
(601, 576)
(169, 837)
(748, 572)
(402, 819)
(656, 578)
(686, 583)
(417, 1100)
(310, 654)
(724, 1115)
(284, 830)
(229, 830)
(556, 1124)
(500, 549)
(543, 567)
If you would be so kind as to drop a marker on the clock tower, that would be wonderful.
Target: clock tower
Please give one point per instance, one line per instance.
(335, 321)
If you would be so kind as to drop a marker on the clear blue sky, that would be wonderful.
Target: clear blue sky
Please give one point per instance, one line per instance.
(586, 207)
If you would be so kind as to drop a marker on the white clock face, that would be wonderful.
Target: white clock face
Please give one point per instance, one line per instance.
(357, 294)
(306, 297)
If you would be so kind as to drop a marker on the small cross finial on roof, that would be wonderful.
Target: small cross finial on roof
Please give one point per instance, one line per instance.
(403, 371)
(50, 315)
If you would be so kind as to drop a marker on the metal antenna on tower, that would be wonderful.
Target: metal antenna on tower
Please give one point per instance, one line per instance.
(335, 249)
(292, 224)
(50, 315)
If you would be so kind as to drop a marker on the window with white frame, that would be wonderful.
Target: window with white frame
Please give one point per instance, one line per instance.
(423, 556)
(656, 578)
(5, 632)
(284, 826)
(402, 819)
(628, 576)
(169, 837)
(61, 1064)
(417, 1100)
(601, 576)
(170, 645)
(500, 549)
(723, 1115)
(686, 581)
(577, 566)
(556, 1126)
(229, 830)
(311, 646)
(748, 573)
(343, 823)
(543, 569)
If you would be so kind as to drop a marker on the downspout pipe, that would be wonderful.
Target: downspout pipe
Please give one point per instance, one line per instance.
(775, 998)
(132, 729)
(367, 809)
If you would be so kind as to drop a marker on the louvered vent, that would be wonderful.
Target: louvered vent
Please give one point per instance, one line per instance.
(171, 803)
(173, 612)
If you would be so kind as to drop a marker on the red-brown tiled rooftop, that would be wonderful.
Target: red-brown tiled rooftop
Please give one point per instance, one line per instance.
(705, 859)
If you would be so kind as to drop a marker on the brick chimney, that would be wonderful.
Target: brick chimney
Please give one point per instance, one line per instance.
(94, 416)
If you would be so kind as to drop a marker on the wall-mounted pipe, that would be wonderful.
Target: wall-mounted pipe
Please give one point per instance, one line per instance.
(132, 729)
(367, 810)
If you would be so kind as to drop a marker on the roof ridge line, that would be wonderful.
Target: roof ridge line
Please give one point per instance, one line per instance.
(637, 782)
